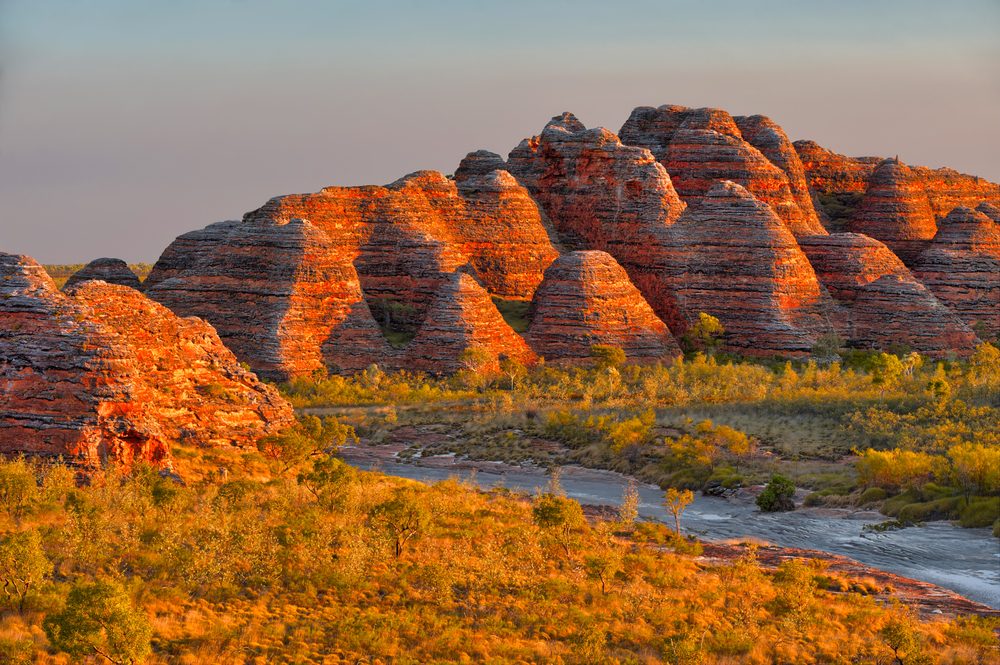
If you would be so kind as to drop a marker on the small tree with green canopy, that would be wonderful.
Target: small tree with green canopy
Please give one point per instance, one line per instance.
(606, 355)
(23, 565)
(777, 495)
(310, 436)
(703, 335)
(400, 519)
(99, 619)
(560, 517)
(676, 501)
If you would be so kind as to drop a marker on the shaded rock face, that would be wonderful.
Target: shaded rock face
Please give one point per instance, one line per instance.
(585, 299)
(462, 318)
(895, 210)
(104, 373)
(990, 210)
(603, 195)
(702, 147)
(961, 266)
(741, 264)
(281, 296)
(112, 271)
(880, 304)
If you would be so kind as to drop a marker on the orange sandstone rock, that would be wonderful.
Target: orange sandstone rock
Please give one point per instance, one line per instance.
(880, 303)
(462, 318)
(961, 265)
(105, 373)
(585, 299)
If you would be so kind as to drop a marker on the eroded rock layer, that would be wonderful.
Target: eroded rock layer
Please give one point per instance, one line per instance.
(112, 271)
(603, 195)
(105, 373)
(464, 330)
(880, 303)
(961, 266)
(742, 265)
(585, 299)
(281, 295)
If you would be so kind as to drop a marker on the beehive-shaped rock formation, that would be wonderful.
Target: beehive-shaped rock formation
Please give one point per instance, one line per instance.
(281, 296)
(962, 267)
(880, 304)
(743, 266)
(112, 271)
(895, 210)
(586, 299)
(464, 330)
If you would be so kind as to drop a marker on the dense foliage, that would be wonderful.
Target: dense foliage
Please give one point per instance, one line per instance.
(328, 564)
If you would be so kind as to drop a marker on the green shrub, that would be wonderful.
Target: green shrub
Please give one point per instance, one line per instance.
(980, 512)
(777, 496)
(872, 495)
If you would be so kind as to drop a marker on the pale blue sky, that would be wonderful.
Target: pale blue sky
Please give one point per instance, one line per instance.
(124, 123)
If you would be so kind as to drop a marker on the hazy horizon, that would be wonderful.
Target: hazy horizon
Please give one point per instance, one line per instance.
(122, 126)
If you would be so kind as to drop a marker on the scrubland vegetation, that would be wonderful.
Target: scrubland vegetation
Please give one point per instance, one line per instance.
(849, 429)
(315, 562)
(63, 271)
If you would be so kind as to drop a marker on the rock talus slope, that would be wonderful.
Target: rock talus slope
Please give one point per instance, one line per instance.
(104, 373)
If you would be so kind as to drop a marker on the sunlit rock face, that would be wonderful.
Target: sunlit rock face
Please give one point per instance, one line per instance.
(740, 263)
(961, 265)
(586, 299)
(601, 194)
(103, 373)
(463, 319)
(895, 209)
(880, 304)
(702, 147)
(112, 271)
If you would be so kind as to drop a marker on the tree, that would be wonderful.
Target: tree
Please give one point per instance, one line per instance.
(18, 486)
(676, 501)
(100, 619)
(976, 468)
(777, 495)
(628, 511)
(308, 437)
(559, 516)
(328, 480)
(23, 565)
(513, 369)
(602, 566)
(400, 519)
(704, 335)
(606, 355)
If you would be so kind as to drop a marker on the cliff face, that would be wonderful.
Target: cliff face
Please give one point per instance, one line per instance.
(880, 304)
(961, 266)
(112, 271)
(105, 373)
(585, 299)
(742, 265)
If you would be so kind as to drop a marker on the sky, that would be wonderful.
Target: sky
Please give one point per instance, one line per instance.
(124, 123)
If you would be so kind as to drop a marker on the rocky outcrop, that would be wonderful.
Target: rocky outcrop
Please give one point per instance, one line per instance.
(962, 267)
(585, 299)
(880, 303)
(281, 296)
(990, 210)
(742, 265)
(464, 330)
(895, 210)
(830, 173)
(103, 373)
(112, 271)
(603, 195)
(702, 147)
